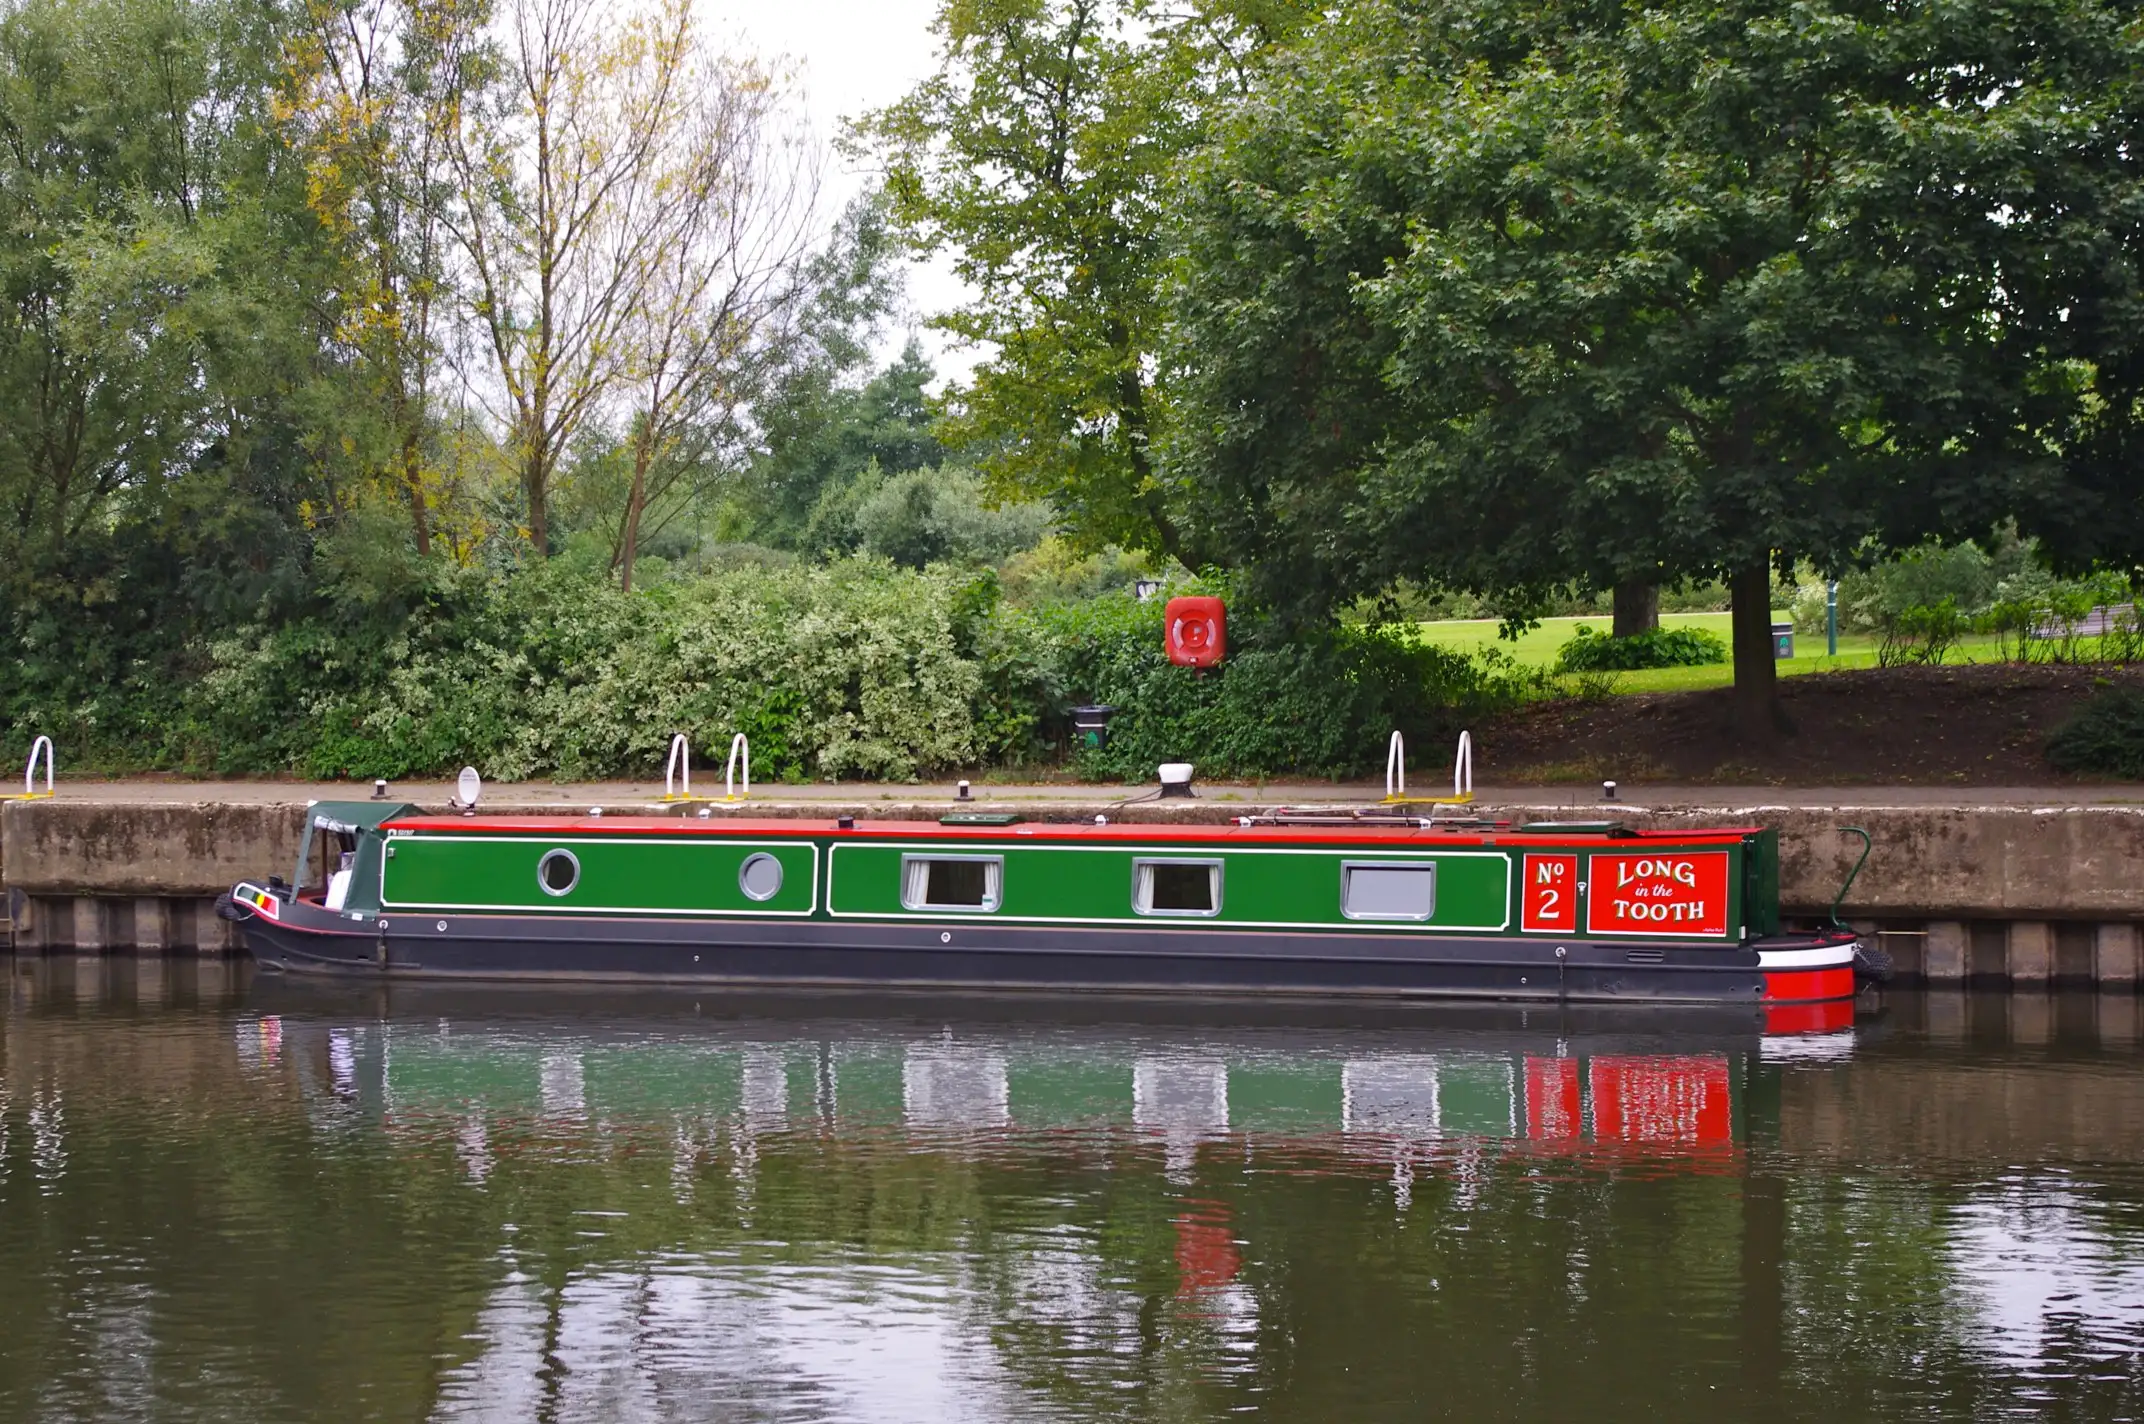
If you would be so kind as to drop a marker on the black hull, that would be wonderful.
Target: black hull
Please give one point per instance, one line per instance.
(821, 954)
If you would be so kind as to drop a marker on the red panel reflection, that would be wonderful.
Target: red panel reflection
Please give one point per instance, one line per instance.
(1206, 1254)
(1552, 1112)
(1685, 1100)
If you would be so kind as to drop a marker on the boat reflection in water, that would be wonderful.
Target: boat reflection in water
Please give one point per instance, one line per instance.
(394, 1203)
(1399, 1098)
(1398, 1089)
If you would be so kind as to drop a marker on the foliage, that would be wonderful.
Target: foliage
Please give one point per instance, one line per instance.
(931, 516)
(856, 668)
(1497, 298)
(1920, 635)
(826, 443)
(1041, 154)
(1055, 572)
(2104, 737)
(1656, 648)
(1323, 705)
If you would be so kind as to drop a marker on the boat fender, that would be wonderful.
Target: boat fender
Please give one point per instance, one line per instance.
(1871, 963)
(227, 908)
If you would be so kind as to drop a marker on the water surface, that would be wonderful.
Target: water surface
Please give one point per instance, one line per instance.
(223, 1199)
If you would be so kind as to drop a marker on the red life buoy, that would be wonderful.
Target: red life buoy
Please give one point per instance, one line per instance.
(1197, 631)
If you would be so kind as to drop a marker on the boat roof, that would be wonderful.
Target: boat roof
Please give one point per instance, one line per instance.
(1294, 832)
(353, 816)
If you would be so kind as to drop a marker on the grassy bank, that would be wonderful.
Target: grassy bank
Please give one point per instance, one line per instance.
(1537, 648)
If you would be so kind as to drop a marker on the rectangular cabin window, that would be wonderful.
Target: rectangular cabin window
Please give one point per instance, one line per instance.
(1405, 891)
(1177, 887)
(952, 882)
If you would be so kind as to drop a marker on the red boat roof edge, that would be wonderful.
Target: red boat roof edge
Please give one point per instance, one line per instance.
(1047, 830)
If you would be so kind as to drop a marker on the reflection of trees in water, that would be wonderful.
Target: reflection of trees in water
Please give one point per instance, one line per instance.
(483, 1221)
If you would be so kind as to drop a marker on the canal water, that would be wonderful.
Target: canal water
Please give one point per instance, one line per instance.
(224, 1199)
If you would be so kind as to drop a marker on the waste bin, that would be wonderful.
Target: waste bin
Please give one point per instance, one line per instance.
(1090, 725)
(1782, 640)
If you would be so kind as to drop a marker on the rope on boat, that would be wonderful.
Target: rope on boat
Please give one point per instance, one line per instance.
(1867, 843)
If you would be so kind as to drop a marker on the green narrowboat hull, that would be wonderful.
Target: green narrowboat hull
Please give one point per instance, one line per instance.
(1559, 913)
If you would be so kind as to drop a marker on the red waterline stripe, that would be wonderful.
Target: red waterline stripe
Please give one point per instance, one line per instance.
(1823, 1017)
(1810, 984)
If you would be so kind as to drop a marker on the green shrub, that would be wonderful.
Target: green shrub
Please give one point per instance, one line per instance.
(1656, 648)
(1920, 636)
(2104, 737)
(1316, 704)
(855, 668)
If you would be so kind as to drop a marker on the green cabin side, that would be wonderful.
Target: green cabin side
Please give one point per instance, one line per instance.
(1470, 888)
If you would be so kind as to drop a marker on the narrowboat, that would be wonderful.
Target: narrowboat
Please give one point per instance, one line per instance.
(1282, 903)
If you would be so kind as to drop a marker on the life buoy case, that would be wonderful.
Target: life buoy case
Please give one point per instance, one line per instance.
(1197, 631)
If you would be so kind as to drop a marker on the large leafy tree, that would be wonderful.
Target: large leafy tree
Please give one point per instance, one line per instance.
(1503, 297)
(1040, 157)
(153, 269)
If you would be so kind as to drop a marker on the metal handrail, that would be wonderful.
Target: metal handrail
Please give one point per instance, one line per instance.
(678, 766)
(1396, 775)
(29, 773)
(740, 750)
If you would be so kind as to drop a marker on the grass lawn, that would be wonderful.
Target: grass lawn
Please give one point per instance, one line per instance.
(1537, 647)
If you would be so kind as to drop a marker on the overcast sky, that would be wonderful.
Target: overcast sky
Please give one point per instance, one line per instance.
(852, 55)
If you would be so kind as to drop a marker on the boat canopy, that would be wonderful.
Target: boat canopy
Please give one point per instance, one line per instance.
(353, 817)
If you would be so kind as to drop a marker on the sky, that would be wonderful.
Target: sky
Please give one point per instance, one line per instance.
(852, 55)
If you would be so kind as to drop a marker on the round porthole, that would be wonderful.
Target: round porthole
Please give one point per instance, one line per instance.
(760, 877)
(558, 872)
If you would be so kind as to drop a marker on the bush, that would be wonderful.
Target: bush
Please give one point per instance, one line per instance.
(2104, 737)
(1318, 704)
(932, 516)
(1921, 635)
(854, 668)
(1657, 648)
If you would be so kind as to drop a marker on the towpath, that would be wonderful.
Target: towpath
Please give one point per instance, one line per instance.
(624, 795)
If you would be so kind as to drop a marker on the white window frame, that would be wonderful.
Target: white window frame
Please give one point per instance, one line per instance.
(915, 883)
(1143, 885)
(558, 853)
(781, 875)
(1419, 867)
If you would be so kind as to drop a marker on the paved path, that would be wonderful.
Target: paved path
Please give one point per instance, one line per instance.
(623, 795)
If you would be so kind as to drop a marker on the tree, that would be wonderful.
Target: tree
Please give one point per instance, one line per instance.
(1506, 299)
(1040, 155)
(721, 286)
(366, 80)
(558, 210)
(152, 311)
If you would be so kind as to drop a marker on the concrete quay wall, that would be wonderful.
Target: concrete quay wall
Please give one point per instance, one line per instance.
(1957, 892)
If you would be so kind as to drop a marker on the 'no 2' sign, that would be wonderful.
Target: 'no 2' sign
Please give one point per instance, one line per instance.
(1549, 901)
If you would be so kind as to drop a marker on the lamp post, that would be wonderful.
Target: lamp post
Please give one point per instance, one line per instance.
(1831, 618)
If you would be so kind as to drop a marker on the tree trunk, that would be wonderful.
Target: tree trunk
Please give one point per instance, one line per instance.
(533, 484)
(413, 477)
(1637, 607)
(635, 500)
(1758, 715)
